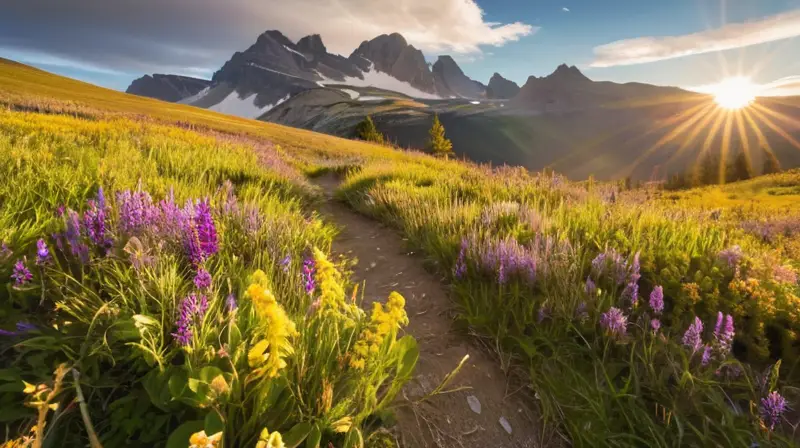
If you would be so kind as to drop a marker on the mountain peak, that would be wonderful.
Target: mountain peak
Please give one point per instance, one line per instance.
(501, 88)
(312, 44)
(569, 72)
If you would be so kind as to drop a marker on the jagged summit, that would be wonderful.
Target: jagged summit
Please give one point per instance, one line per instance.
(501, 88)
(568, 72)
(312, 44)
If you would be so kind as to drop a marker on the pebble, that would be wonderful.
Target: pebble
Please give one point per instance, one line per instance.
(474, 404)
(504, 423)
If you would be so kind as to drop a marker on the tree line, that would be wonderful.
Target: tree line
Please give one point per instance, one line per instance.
(712, 171)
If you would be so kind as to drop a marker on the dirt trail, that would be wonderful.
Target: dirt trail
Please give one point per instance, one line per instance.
(386, 265)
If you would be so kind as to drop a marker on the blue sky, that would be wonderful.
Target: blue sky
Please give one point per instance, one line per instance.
(111, 43)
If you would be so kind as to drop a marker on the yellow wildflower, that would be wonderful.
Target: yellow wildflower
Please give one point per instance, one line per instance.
(260, 277)
(267, 440)
(279, 328)
(342, 425)
(219, 385)
(383, 324)
(201, 440)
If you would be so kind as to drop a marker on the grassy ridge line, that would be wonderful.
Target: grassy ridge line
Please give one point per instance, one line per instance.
(27, 87)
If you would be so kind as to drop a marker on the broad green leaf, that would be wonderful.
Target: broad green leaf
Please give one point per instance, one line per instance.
(178, 382)
(180, 437)
(297, 434)
(141, 319)
(314, 437)
(213, 423)
(208, 373)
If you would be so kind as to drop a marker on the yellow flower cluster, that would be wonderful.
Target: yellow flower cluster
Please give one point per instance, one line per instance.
(762, 298)
(267, 440)
(201, 440)
(383, 323)
(279, 329)
(329, 281)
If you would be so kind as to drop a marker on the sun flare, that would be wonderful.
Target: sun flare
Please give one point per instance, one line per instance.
(735, 93)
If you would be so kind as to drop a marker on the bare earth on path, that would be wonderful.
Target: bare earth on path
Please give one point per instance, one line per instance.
(385, 264)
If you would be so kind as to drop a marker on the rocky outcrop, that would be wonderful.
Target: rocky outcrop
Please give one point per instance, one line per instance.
(391, 54)
(450, 81)
(501, 88)
(167, 87)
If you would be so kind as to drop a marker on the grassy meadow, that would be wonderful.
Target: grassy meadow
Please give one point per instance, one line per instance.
(168, 283)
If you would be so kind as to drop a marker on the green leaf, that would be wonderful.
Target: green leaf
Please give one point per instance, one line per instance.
(354, 439)
(156, 384)
(773, 378)
(297, 434)
(141, 319)
(213, 423)
(180, 437)
(194, 384)
(178, 383)
(408, 351)
(208, 373)
(314, 438)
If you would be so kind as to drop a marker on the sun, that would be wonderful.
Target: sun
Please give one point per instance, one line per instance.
(734, 93)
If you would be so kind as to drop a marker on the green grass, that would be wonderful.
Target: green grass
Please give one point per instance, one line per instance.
(517, 247)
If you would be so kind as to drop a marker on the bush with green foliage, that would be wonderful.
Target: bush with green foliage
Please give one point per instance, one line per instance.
(366, 130)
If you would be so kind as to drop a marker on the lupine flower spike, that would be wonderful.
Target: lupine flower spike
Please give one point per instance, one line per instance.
(771, 409)
(21, 274)
(614, 322)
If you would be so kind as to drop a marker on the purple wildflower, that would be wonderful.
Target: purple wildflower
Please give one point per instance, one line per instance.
(191, 312)
(460, 269)
(501, 274)
(706, 358)
(94, 220)
(544, 313)
(614, 322)
(22, 328)
(590, 288)
(657, 300)
(136, 211)
(635, 269)
(771, 409)
(42, 253)
(581, 312)
(731, 255)
(599, 264)
(206, 231)
(5, 252)
(693, 336)
(202, 280)
(21, 274)
(631, 292)
(287, 260)
(252, 219)
(655, 325)
(72, 233)
(230, 302)
(724, 333)
(309, 283)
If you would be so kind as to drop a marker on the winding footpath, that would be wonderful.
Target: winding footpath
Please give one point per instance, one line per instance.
(385, 264)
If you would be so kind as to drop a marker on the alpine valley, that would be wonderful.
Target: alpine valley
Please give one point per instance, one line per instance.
(564, 121)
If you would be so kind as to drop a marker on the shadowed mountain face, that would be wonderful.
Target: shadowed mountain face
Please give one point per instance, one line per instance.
(391, 54)
(500, 88)
(167, 87)
(452, 82)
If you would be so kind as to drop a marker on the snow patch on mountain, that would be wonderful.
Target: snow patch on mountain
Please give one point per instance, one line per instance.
(371, 98)
(233, 104)
(353, 94)
(296, 52)
(380, 80)
(195, 97)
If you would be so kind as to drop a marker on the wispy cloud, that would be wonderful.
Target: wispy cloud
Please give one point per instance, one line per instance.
(734, 35)
(565, 9)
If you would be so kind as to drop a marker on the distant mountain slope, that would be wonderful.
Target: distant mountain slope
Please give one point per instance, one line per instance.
(274, 69)
(167, 87)
(452, 82)
(565, 121)
(501, 88)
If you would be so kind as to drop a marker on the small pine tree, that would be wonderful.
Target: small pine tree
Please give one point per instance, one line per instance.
(438, 144)
(367, 131)
(742, 168)
(771, 163)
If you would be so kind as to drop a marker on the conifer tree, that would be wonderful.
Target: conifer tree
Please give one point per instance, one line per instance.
(367, 131)
(438, 144)
(742, 168)
(771, 163)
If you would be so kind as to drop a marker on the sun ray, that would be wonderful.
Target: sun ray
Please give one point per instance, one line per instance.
(725, 145)
(744, 139)
(777, 115)
(693, 135)
(670, 136)
(777, 129)
(762, 139)
(712, 134)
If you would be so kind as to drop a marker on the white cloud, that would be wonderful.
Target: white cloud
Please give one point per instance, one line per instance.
(565, 9)
(432, 26)
(734, 35)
